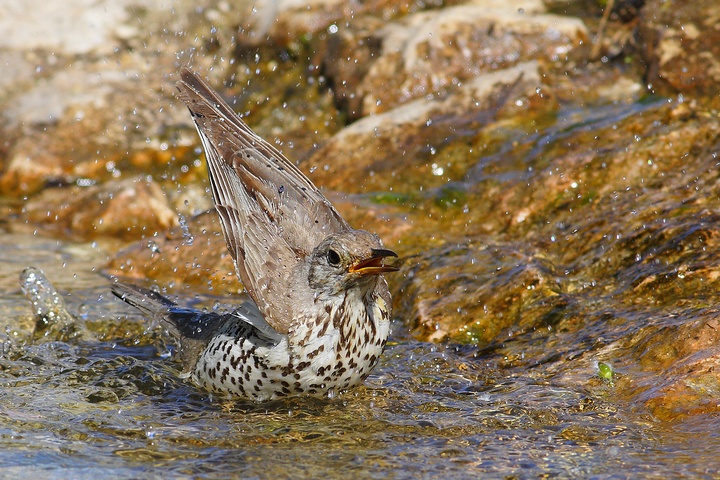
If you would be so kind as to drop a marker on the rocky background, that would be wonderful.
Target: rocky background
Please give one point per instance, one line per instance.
(547, 170)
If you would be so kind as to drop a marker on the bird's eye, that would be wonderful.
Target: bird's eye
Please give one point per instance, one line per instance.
(333, 258)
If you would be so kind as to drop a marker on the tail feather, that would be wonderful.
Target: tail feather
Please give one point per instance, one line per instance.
(185, 323)
(194, 328)
(150, 303)
(191, 328)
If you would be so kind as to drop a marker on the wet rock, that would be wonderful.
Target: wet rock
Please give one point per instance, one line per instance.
(371, 65)
(190, 254)
(471, 291)
(78, 102)
(681, 45)
(664, 363)
(286, 21)
(282, 96)
(428, 52)
(617, 232)
(605, 210)
(129, 208)
(399, 146)
(84, 124)
(682, 358)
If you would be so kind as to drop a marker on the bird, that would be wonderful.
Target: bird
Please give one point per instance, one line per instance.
(319, 313)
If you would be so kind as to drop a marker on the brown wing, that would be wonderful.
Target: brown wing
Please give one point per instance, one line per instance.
(272, 215)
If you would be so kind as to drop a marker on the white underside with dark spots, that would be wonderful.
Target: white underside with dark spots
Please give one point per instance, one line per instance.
(331, 353)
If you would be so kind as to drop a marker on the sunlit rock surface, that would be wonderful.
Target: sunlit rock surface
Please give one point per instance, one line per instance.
(193, 253)
(287, 21)
(397, 148)
(71, 96)
(129, 208)
(428, 52)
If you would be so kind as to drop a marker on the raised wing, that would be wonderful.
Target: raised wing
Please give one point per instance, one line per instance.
(272, 215)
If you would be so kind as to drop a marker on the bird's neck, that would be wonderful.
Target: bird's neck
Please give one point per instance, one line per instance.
(350, 317)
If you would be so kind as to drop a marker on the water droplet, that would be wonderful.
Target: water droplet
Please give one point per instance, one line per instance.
(187, 236)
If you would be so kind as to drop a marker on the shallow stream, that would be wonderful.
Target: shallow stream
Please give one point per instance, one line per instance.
(115, 408)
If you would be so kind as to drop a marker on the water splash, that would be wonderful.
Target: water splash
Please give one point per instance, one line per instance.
(189, 239)
(52, 319)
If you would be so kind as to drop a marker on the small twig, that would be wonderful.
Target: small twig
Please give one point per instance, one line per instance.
(601, 30)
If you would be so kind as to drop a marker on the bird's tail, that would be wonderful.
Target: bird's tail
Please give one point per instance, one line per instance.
(185, 323)
(150, 303)
(191, 328)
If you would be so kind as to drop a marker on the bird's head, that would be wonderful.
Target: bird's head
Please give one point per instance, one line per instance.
(350, 259)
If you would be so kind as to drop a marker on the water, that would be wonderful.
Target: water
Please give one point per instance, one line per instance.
(115, 408)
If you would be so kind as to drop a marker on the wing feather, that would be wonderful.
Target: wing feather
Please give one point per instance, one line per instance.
(272, 215)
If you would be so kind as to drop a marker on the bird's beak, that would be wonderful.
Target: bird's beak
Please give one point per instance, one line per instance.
(373, 265)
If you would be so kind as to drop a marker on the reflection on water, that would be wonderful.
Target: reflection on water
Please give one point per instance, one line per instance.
(114, 407)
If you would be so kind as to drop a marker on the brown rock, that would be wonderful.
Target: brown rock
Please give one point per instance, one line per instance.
(681, 45)
(680, 363)
(80, 125)
(128, 209)
(428, 52)
(470, 292)
(191, 254)
(391, 148)
(79, 102)
(280, 22)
